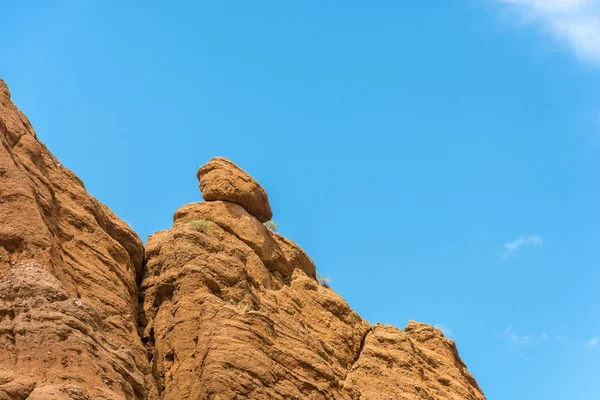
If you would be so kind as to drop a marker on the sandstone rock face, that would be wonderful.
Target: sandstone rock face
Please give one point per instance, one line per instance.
(52, 339)
(220, 179)
(216, 307)
(419, 363)
(233, 311)
(68, 267)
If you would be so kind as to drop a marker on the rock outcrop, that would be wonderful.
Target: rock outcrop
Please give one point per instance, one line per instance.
(419, 363)
(234, 311)
(68, 269)
(216, 307)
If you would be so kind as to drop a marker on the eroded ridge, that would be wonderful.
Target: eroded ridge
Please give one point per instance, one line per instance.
(56, 240)
(233, 310)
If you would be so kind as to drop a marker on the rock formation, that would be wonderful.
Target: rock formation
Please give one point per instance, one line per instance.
(216, 307)
(68, 269)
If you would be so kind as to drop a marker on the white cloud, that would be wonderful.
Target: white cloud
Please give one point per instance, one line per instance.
(594, 342)
(525, 357)
(573, 22)
(445, 330)
(512, 337)
(527, 346)
(523, 240)
(561, 338)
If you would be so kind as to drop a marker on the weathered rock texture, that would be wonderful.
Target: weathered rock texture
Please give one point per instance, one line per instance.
(218, 308)
(68, 267)
(419, 363)
(220, 179)
(233, 311)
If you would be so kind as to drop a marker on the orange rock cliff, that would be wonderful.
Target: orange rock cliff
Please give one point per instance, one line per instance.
(216, 307)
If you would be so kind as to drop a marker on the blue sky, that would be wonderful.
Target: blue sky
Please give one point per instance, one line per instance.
(438, 160)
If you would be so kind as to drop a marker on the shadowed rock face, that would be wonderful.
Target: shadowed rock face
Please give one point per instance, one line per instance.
(227, 309)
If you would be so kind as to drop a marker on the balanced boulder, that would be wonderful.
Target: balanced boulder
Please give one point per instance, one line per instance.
(220, 179)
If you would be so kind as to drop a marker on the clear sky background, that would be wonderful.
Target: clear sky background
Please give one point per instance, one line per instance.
(439, 160)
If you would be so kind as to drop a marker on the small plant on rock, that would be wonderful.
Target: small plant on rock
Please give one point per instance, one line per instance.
(323, 280)
(271, 225)
(201, 225)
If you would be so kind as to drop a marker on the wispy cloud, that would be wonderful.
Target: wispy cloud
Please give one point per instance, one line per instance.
(573, 22)
(514, 338)
(523, 340)
(527, 346)
(523, 345)
(523, 240)
(445, 330)
(561, 338)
